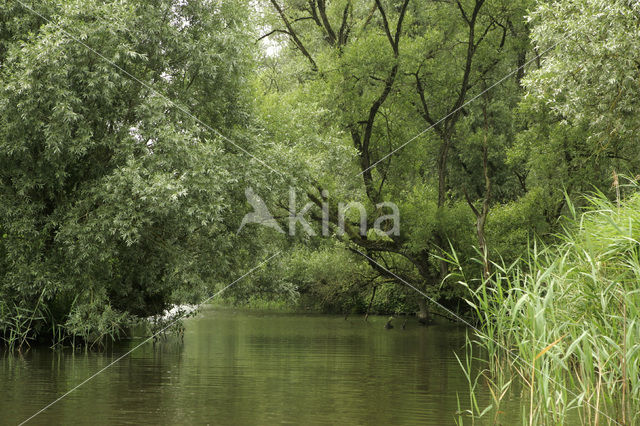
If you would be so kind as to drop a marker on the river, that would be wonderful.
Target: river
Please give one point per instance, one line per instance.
(247, 367)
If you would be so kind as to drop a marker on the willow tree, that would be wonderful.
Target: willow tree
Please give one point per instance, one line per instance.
(582, 107)
(375, 74)
(115, 200)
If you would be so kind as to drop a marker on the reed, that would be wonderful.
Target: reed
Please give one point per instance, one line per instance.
(89, 327)
(565, 321)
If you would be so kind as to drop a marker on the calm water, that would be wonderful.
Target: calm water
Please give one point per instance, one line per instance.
(239, 367)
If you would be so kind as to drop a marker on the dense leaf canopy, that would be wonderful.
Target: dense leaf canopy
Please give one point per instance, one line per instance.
(130, 132)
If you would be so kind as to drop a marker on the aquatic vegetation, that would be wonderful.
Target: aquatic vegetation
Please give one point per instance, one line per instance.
(565, 320)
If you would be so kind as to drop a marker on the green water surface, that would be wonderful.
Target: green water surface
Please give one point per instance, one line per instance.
(238, 367)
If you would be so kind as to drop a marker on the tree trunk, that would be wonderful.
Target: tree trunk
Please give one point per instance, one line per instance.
(442, 169)
(442, 194)
(373, 295)
(482, 217)
(424, 316)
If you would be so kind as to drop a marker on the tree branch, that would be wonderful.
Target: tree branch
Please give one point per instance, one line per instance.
(425, 108)
(403, 11)
(331, 35)
(471, 49)
(385, 25)
(464, 15)
(294, 36)
(343, 33)
(393, 40)
(271, 33)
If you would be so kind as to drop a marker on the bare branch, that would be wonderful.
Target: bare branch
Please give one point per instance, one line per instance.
(466, 196)
(393, 40)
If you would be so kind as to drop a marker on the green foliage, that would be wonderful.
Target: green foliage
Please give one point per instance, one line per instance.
(113, 200)
(95, 324)
(118, 197)
(581, 298)
(513, 225)
(582, 102)
(590, 77)
(350, 83)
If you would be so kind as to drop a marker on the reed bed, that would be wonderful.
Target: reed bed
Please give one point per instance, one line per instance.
(564, 323)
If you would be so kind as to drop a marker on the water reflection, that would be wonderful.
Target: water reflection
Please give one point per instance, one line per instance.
(238, 367)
